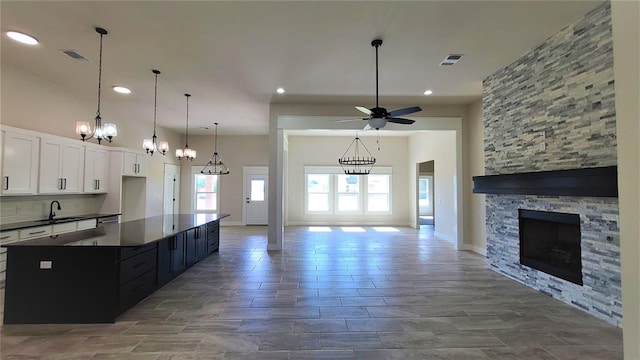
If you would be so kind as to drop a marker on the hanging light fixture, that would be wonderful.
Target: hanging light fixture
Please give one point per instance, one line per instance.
(215, 165)
(100, 132)
(186, 153)
(152, 145)
(357, 164)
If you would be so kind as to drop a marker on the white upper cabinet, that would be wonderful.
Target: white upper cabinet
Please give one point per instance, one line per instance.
(96, 169)
(134, 164)
(61, 166)
(19, 163)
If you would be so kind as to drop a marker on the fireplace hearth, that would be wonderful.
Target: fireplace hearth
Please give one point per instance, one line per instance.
(550, 242)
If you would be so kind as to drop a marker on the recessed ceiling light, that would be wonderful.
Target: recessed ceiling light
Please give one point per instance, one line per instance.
(23, 38)
(280, 90)
(428, 92)
(122, 90)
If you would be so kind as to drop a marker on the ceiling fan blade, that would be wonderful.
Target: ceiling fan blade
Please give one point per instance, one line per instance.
(364, 110)
(346, 120)
(400, 121)
(405, 111)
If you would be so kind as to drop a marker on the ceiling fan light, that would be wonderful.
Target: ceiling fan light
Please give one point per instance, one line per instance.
(428, 92)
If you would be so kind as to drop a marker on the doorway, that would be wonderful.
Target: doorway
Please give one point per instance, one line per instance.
(256, 203)
(171, 202)
(426, 213)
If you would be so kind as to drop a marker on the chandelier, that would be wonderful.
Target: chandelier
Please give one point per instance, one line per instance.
(186, 153)
(215, 165)
(152, 145)
(100, 132)
(355, 164)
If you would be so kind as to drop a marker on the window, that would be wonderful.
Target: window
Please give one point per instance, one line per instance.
(330, 191)
(348, 193)
(317, 193)
(378, 190)
(206, 193)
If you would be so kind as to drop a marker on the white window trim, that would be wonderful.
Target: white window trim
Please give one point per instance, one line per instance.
(195, 170)
(363, 194)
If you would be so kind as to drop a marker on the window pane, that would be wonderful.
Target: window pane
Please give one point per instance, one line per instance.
(206, 183)
(348, 202)
(257, 190)
(318, 202)
(378, 202)
(206, 201)
(317, 183)
(348, 184)
(378, 184)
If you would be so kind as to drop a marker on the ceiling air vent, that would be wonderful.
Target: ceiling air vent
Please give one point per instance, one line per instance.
(74, 55)
(451, 59)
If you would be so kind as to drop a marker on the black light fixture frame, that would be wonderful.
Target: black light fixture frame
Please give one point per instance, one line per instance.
(215, 164)
(356, 164)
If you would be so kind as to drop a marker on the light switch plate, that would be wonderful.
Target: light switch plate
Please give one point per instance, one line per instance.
(46, 264)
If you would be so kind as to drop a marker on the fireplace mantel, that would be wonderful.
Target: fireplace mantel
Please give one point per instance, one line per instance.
(598, 182)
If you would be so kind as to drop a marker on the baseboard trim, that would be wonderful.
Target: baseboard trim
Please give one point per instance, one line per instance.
(274, 247)
(231, 223)
(345, 223)
(476, 249)
(446, 237)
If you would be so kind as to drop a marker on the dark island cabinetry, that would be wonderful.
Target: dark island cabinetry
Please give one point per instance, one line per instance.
(96, 275)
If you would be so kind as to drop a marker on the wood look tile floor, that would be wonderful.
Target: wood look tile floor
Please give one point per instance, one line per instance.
(333, 293)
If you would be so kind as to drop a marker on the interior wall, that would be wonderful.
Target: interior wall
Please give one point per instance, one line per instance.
(439, 146)
(325, 151)
(475, 227)
(25, 98)
(626, 64)
(236, 152)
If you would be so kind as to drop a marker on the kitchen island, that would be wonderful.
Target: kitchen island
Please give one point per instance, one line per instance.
(94, 276)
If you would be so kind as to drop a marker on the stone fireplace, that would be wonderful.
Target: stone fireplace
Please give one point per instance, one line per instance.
(553, 110)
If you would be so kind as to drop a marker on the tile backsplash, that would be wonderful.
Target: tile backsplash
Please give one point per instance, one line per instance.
(27, 208)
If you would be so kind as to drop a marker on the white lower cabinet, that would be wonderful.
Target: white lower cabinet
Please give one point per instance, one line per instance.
(63, 228)
(86, 224)
(34, 232)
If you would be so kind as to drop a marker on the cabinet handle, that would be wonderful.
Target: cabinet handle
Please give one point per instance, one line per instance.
(60, 184)
(6, 183)
(65, 183)
(37, 232)
(98, 184)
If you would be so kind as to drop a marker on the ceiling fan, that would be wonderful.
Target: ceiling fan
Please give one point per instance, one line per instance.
(379, 116)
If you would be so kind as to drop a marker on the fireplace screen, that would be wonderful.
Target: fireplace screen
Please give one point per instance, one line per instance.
(550, 242)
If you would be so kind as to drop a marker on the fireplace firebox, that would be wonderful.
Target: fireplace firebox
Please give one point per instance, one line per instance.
(550, 242)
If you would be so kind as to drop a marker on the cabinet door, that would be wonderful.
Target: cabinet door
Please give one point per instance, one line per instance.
(201, 242)
(191, 253)
(164, 260)
(177, 255)
(72, 167)
(50, 180)
(95, 170)
(19, 163)
(130, 164)
(141, 160)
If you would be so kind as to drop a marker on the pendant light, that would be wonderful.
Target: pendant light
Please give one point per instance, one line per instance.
(100, 132)
(186, 153)
(356, 164)
(152, 145)
(215, 166)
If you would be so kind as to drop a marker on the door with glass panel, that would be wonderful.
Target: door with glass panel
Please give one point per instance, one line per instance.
(256, 205)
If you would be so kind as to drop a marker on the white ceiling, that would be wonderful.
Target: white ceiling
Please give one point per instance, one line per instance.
(231, 56)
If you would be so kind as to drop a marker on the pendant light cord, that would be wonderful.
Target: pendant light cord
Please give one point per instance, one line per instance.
(155, 104)
(377, 76)
(99, 77)
(215, 144)
(186, 139)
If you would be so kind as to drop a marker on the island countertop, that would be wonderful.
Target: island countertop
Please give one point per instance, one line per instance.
(130, 233)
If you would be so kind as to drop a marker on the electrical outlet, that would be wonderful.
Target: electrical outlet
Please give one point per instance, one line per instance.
(46, 264)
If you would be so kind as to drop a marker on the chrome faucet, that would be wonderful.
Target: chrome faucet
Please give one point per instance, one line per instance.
(51, 213)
